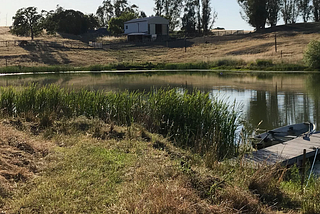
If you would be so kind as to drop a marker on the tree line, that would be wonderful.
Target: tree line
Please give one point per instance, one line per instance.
(188, 16)
(259, 13)
(30, 22)
(196, 16)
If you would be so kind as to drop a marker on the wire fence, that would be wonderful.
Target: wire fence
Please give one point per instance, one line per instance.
(228, 32)
(53, 44)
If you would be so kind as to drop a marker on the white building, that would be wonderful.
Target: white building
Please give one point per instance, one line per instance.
(147, 28)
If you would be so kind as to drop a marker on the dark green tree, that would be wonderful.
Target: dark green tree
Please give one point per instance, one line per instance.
(116, 24)
(254, 12)
(48, 22)
(189, 19)
(206, 11)
(208, 16)
(92, 21)
(69, 21)
(27, 22)
(305, 9)
(273, 10)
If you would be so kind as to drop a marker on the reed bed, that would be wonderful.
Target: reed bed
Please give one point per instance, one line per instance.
(193, 120)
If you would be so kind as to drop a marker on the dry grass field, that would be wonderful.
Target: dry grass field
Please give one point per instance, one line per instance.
(291, 42)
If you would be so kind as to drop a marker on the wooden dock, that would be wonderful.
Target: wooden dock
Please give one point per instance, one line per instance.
(286, 153)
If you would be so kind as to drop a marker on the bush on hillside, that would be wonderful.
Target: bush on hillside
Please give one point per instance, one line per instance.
(312, 54)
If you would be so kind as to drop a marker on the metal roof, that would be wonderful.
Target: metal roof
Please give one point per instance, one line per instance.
(145, 19)
(138, 34)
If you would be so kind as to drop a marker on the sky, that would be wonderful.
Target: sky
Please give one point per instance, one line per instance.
(228, 10)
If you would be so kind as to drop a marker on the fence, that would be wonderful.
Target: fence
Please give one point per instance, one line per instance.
(53, 44)
(227, 32)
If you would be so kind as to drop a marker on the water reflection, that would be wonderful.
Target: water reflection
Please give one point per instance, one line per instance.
(276, 99)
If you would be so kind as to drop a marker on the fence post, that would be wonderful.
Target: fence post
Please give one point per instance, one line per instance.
(6, 62)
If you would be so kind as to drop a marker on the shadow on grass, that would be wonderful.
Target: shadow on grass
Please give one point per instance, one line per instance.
(46, 53)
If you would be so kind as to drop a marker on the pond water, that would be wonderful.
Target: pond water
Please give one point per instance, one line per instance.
(277, 99)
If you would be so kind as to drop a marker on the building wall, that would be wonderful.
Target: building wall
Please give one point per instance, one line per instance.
(152, 29)
(164, 29)
(137, 27)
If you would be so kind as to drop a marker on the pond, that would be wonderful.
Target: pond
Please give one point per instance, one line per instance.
(275, 99)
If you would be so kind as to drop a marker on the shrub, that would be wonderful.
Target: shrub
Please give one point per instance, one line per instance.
(264, 62)
(312, 54)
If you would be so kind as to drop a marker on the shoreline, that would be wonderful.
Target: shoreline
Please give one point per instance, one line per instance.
(158, 71)
(234, 67)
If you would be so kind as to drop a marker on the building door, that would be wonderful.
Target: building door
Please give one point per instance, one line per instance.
(158, 29)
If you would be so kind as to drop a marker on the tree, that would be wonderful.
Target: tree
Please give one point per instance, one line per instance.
(142, 14)
(208, 16)
(316, 10)
(92, 21)
(189, 19)
(159, 7)
(295, 11)
(198, 16)
(289, 11)
(273, 9)
(108, 11)
(305, 9)
(77, 23)
(254, 12)
(105, 13)
(312, 54)
(170, 9)
(27, 22)
(116, 24)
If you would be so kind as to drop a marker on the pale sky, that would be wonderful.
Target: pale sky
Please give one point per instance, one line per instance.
(228, 10)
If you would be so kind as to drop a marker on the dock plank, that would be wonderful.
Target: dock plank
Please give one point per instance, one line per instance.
(289, 152)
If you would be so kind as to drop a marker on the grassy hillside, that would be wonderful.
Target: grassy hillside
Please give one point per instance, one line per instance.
(291, 40)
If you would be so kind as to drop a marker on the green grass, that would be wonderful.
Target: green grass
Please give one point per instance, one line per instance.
(83, 178)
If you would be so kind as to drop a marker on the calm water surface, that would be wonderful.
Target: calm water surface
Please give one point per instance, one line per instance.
(276, 99)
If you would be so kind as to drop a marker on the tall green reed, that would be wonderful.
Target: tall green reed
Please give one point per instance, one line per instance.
(191, 119)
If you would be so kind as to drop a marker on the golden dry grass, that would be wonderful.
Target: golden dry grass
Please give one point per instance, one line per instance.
(20, 156)
(247, 47)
